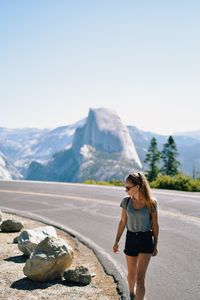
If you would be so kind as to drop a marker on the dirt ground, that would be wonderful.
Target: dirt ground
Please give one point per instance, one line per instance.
(15, 286)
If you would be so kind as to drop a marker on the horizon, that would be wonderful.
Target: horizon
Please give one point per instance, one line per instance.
(134, 125)
(141, 59)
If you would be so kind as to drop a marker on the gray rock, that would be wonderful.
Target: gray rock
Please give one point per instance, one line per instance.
(11, 225)
(30, 238)
(15, 240)
(49, 260)
(1, 216)
(80, 275)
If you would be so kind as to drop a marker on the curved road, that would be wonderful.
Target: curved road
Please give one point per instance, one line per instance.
(93, 212)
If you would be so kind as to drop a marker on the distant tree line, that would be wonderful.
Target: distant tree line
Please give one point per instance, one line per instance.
(163, 168)
(162, 162)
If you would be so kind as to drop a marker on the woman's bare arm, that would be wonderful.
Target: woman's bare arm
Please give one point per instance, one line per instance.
(155, 229)
(120, 229)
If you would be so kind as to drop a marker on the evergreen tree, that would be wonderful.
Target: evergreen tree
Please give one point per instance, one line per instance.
(168, 156)
(152, 159)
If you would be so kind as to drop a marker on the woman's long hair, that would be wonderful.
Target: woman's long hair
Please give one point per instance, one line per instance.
(145, 192)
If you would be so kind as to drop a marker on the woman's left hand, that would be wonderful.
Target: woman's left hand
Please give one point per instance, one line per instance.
(155, 251)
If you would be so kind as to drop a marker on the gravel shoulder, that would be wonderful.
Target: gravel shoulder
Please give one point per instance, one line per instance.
(15, 286)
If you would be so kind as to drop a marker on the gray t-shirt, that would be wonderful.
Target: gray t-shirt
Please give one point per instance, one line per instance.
(137, 219)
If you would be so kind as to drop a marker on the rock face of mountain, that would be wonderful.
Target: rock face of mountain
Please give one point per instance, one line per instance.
(102, 149)
(105, 131)
(7, 170)
(4, 173)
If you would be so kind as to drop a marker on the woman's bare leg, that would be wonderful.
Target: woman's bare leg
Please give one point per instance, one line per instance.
(132, 270)
(143, 261)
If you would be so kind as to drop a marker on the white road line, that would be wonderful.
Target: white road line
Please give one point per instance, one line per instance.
(100, 201)
(176, 194)
(181, 217)
(64, 184)
(178, 215)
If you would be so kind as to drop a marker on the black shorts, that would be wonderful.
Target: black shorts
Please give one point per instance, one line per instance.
(138, 242)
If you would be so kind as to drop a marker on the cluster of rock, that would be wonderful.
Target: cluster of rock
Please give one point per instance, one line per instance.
(48, 256)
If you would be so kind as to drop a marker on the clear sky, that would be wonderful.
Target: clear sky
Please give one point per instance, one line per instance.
(58, 58)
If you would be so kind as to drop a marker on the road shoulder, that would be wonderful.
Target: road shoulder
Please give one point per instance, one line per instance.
(14, 285)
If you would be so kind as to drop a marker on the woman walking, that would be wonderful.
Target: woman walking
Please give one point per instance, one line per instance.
(139, 215)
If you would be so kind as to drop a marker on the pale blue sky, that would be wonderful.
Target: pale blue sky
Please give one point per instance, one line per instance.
(141, 58)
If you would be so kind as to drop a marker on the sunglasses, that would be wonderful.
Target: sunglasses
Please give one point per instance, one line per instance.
(129, 187)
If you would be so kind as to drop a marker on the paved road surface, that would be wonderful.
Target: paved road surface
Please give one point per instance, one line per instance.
(94, 212)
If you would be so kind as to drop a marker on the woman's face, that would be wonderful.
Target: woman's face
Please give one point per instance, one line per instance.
(131, 188)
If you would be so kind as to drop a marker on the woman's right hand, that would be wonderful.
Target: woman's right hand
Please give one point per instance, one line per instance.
(116, 248)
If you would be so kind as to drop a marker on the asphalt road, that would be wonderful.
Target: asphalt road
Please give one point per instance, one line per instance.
(93, 211)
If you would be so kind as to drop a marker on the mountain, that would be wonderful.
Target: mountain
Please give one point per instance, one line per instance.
(4, 173)
(51, 142)
(192, 134)
(189, 154)
(98, 147)
(17, 143)
(188, 148)
(142, 140)
(105, 131)
(22, 146)
(14, 142)
(102, 149)
(7, 170)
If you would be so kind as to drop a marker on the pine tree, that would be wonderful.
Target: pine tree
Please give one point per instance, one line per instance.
(168, 156)
(152, 159)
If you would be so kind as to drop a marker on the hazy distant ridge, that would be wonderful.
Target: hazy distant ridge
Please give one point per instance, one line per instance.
(99, 146)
